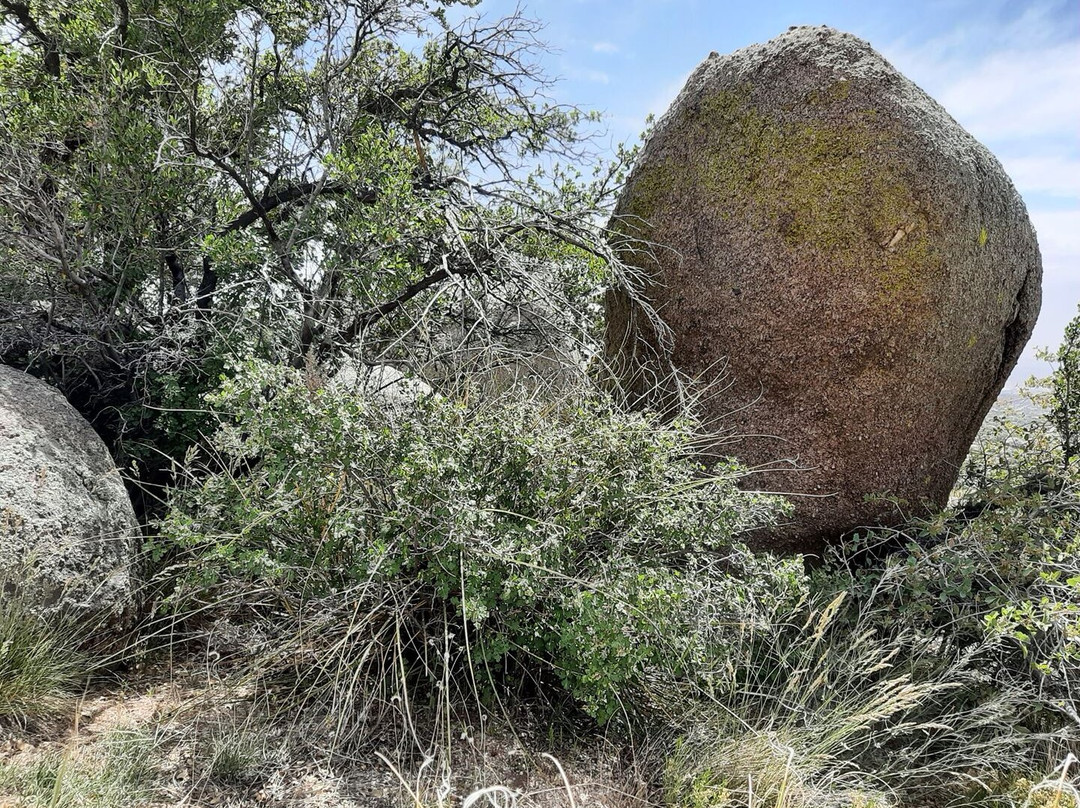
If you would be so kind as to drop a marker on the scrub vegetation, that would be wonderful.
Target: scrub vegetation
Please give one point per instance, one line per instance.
(321, 276)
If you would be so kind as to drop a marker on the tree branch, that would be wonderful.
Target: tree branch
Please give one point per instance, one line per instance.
(179, 277)
(368, 318)
(21, 12)
(123, 22)
(204, 296)
(290, 194)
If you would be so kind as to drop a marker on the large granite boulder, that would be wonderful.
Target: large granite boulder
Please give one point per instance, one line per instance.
(852, 274)
(67, 529)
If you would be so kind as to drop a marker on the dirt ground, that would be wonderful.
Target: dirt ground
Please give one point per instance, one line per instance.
(187, 738)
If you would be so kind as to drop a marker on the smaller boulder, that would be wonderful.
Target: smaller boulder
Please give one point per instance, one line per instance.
(68, 533)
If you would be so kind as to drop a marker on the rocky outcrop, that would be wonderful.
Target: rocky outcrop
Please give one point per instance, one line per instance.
(67, 529)
(850, 272)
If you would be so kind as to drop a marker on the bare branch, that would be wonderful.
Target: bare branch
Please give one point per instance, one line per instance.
(269, 202)
(368, 318)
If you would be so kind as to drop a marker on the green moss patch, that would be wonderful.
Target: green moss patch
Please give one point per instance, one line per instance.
(824, 185)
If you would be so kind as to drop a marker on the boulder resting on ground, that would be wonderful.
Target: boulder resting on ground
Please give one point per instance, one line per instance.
(68, 532)
(849, 273)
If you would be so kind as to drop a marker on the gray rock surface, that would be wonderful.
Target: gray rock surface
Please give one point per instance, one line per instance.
(383, 382)
(851, 273)
(67, 529)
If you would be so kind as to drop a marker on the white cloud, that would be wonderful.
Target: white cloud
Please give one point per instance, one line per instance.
(597, 76)
(1007, 96)
(1050, 174)
(1001, 81)
(1059, 237)
(605, 47)
(1016, 94)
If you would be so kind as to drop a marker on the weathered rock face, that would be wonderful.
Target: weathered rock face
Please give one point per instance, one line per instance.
(854, 271)
(67, 528)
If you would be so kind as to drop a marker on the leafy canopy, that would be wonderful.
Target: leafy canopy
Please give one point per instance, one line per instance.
(186, 183)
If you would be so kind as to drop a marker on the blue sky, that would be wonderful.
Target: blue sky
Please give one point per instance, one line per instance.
(1008, 71)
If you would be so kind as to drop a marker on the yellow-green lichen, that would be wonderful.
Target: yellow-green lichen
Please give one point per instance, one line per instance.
(837, 91)
(821, 185)
(983, 235)
(652, 183)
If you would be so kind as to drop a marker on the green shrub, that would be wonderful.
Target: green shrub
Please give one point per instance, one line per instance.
(1018, 452)
(984, 599)
(466, 545)
(1011, 572)
(1064, 389)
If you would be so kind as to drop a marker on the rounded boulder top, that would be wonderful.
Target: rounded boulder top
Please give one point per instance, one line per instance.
(849, 275)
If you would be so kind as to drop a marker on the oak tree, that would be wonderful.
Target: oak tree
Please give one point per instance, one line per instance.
(184, 183)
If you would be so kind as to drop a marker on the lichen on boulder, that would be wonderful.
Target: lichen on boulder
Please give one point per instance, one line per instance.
(850, 274)
(67, 528)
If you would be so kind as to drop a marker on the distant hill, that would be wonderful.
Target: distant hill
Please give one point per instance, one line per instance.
(1020, 406)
